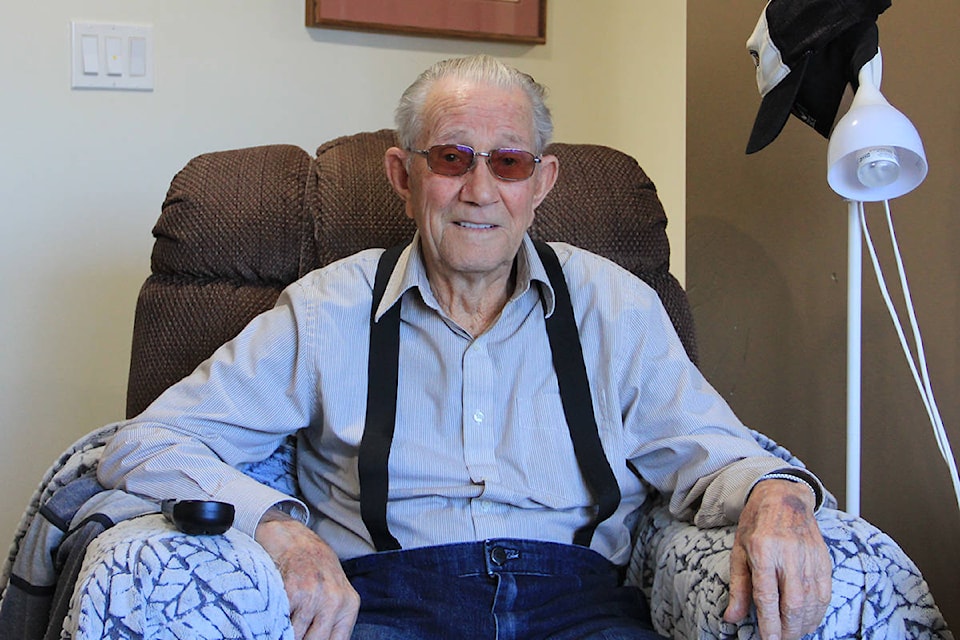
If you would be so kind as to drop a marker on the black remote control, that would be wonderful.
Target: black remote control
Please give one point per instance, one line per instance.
(199, 517)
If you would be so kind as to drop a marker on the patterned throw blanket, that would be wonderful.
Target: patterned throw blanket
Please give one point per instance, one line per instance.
(88, 563)
(134, 575)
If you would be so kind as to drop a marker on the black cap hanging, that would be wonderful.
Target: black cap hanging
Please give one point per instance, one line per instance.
(807, 52)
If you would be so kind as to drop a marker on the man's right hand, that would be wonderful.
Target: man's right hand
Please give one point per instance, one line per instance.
(323, 605)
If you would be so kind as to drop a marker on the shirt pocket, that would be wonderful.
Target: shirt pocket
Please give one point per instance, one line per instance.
(548, 467)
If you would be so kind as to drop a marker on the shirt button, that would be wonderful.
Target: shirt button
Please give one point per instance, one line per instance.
(478, 417)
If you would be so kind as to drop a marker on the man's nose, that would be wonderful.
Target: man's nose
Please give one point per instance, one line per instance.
(480, 185)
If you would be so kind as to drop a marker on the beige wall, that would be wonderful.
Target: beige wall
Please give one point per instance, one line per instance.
(766, 273)
(82, 174)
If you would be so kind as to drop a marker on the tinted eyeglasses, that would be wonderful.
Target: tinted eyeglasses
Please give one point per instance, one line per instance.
(456, 159)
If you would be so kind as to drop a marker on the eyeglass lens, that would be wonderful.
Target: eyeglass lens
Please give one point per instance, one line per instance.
(456, 160)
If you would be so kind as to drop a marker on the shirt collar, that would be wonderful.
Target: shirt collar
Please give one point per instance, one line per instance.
(411, 273)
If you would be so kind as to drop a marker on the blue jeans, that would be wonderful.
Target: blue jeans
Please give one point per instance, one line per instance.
(498, 589)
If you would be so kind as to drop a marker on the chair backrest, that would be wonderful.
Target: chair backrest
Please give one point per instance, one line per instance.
(238, 226)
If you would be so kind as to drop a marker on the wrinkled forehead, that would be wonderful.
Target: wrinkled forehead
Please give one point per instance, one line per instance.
(458, 110)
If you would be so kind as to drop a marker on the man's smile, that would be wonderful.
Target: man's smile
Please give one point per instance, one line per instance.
(474, 225)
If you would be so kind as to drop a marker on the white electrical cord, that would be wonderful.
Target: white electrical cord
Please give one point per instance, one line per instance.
(923, 386)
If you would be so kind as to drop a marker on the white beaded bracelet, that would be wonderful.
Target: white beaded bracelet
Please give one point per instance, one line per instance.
(790, 478)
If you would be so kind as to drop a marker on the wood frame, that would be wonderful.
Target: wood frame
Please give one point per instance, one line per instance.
(521, 21)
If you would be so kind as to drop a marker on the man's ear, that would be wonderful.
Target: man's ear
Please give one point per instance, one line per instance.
(546, 177)
(395, 164)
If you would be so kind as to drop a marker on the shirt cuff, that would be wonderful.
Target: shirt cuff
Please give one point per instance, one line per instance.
(253, 499)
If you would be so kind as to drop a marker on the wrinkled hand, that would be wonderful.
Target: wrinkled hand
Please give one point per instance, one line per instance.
(323, 605)
(779, 559)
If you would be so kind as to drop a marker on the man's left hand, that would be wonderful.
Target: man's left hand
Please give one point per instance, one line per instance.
(780, 561)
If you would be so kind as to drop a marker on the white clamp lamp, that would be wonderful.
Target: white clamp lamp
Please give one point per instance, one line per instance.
(875, 154)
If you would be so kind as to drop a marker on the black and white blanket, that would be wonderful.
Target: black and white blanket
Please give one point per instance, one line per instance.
(88, 563)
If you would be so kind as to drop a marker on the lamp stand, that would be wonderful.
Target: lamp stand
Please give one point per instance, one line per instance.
(854, 345)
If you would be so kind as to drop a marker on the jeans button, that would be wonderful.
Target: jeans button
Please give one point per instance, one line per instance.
(499, 556)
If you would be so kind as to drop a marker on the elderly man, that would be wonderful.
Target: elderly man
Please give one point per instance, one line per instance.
(476, 414)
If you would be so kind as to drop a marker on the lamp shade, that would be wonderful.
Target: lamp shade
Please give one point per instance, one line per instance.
(875, 152)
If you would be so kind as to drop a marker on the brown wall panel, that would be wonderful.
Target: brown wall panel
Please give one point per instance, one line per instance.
(767, 275)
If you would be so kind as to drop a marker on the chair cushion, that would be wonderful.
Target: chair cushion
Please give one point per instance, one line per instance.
(356, 207)
(234, 231)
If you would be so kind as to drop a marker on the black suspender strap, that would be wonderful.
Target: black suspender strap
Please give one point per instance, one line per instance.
(382, 377)
(383, 365)
(575, 397)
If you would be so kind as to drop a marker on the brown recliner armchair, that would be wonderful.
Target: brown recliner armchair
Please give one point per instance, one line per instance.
(236, 228)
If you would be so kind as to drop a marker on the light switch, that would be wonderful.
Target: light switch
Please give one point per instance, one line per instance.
(114, 55)
(138, 57)
(111, 56)
(90, 55)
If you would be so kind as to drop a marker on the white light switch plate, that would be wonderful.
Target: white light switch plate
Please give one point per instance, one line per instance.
(127, 64)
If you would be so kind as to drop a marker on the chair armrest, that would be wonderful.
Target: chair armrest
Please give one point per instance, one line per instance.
(143, 578)
(684, 571)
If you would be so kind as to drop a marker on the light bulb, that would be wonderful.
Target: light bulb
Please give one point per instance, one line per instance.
(878, 167)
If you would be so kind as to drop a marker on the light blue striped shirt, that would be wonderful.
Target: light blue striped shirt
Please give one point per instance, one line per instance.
(481, 448)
